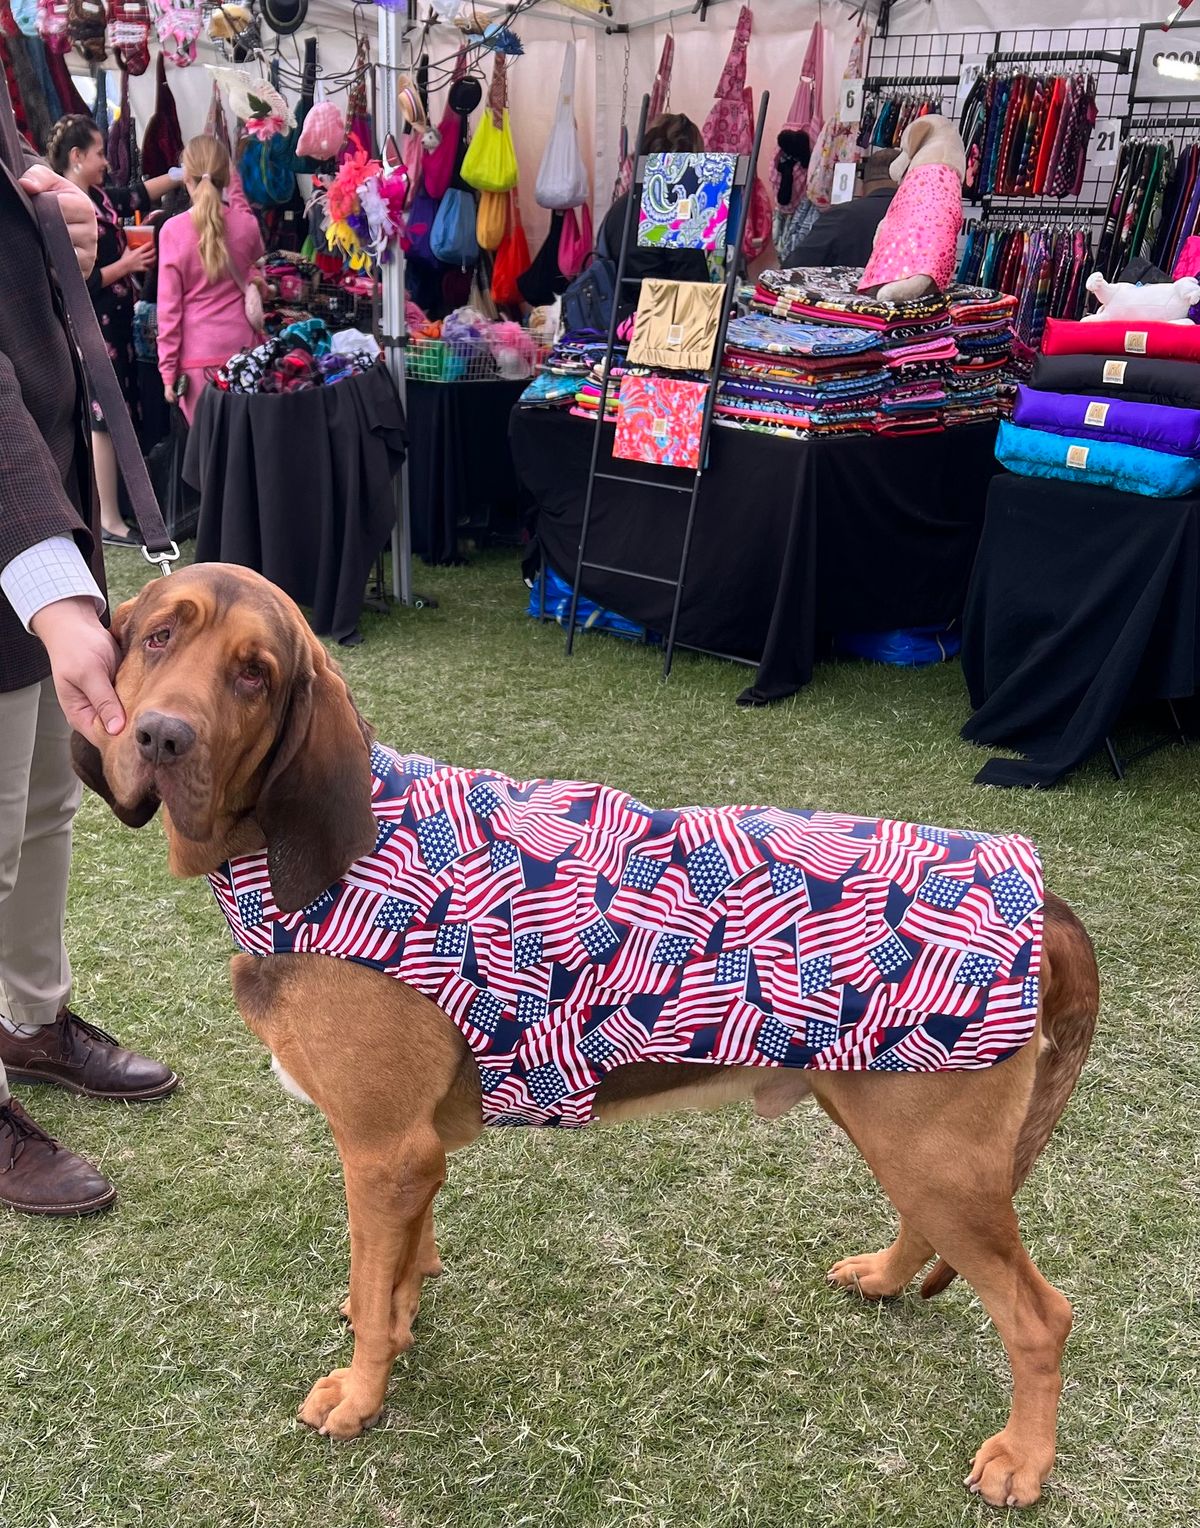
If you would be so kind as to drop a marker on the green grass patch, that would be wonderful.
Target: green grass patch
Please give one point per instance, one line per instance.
(633, 1328)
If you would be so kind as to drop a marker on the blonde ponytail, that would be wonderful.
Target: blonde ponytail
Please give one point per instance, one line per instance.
(206, 167)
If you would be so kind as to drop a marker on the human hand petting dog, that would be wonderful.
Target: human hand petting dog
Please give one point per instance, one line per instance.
(77, 210)
(83, 661)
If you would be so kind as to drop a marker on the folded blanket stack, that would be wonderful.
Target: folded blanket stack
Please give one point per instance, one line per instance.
(820, 379)
(1115, 404)
(946, 357)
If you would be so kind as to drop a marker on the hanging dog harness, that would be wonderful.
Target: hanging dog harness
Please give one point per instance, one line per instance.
(568, 930)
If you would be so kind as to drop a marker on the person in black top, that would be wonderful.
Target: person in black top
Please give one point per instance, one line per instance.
(843, 235)
(670, 134)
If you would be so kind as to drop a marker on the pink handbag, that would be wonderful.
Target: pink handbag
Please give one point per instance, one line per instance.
(437, 167)
(575, 242)
(729, 129)
(804, 117)
(660, 96)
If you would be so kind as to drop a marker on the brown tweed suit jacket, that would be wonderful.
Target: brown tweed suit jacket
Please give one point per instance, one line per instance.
(45, 465)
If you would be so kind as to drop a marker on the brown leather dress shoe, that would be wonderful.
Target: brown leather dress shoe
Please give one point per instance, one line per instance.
(40, 1177)
(73, 1054)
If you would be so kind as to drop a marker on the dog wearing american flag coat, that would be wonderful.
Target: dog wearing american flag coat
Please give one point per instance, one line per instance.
(558, 953)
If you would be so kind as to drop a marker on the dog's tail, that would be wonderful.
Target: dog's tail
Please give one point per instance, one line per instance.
(1070, 1005)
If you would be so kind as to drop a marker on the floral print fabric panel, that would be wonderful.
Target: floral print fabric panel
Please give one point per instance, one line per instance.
(659, 420)
(685, 201)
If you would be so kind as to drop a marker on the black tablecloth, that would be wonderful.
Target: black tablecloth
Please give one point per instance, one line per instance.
(299, 486)
(1082, 602)
(460, 472)
(793, 539)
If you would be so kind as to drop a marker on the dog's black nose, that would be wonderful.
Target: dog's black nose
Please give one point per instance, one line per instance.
(163, 739)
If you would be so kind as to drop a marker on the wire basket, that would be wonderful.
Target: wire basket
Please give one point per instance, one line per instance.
(435, 360)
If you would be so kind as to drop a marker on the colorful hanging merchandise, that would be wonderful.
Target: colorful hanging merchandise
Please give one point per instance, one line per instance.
(562, 178)
(52, 18)
(490, 163)
(87, 23)
(838, 141)
(177, 23)
(437, 169)
(512, 259)
(1027, 134)
(660, 99)
(162, 142)
(886, 115)
(121, 149)
(1043, 268)
(128, 34)
(360, 134)
(729, 129)
(216, 124)
(324, 130)
(789, 176)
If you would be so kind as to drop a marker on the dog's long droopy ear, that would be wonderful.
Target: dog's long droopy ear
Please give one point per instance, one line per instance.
(89, 766)
(85, 756)
(314, 808)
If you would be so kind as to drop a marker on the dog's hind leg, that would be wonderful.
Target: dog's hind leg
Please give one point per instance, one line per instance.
(389, 1196)
(942, 1148)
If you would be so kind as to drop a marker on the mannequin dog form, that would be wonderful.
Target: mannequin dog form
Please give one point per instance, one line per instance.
(914, 248)
(271, 785)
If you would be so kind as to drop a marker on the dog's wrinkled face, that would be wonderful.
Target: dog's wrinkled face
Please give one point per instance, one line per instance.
(235, 716)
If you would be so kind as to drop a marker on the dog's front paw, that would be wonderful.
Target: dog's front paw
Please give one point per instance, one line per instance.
(1008, 1473)
(340, 1406)
(872, 1274)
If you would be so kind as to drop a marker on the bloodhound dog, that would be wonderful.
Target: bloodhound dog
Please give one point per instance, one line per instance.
(243, 729)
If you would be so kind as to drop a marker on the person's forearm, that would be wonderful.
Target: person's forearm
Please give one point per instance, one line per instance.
(111, 273)
(158, 186)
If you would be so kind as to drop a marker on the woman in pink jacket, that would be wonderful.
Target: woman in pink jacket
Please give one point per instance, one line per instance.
(206, 259)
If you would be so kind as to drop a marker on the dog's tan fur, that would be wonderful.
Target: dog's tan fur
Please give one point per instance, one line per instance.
(280, 760)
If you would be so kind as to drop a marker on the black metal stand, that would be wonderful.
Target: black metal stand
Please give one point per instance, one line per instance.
(743, 178)
(1119, 764)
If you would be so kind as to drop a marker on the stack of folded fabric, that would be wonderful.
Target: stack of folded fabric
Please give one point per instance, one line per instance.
(946, 356)
(822, 379)
(1111, 403)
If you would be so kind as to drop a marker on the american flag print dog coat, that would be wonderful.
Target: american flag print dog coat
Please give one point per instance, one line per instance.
(568, 930)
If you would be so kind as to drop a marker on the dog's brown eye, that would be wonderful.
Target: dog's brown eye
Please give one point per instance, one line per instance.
(254, 675)
(159, 638)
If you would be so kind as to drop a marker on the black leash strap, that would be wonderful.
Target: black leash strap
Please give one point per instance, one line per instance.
(159, 548)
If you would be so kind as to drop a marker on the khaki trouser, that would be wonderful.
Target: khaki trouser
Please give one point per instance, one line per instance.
(39, 793)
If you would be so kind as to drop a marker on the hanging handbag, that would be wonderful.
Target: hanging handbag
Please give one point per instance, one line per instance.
(215, 124)
(491, 221)
(562, 179)
(452, 237)
(491, 160)
(575, 243)
(438, 166)
(729, 129)
(418, 226)
(323, 133)
(119, 150)
(360, 137)
(162, 142)
(512, 259)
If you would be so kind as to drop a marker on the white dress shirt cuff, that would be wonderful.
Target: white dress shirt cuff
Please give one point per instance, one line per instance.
(54, 569)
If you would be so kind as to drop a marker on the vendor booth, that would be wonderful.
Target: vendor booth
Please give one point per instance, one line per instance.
(815, 468)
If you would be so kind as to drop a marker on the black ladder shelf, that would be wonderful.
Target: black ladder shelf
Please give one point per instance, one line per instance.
(743, 179)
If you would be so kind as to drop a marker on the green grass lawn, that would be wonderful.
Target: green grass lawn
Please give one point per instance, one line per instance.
(633, 1327)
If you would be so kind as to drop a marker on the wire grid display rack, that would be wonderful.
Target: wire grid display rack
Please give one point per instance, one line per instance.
(933, 62)
(438, 360)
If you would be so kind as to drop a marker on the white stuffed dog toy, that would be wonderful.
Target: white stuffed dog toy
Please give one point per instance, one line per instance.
(1164, 301)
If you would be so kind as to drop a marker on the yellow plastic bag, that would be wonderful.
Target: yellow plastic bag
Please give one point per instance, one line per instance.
(491, 160)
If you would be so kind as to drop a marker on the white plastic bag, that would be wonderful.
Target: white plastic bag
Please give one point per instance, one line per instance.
(562, 179)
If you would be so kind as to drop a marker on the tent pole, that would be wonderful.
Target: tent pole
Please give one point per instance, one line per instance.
(393, 28)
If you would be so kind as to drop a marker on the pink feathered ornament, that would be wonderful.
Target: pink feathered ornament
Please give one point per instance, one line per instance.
(323, 133)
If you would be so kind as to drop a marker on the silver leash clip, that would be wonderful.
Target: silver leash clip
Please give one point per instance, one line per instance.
(162, 560)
